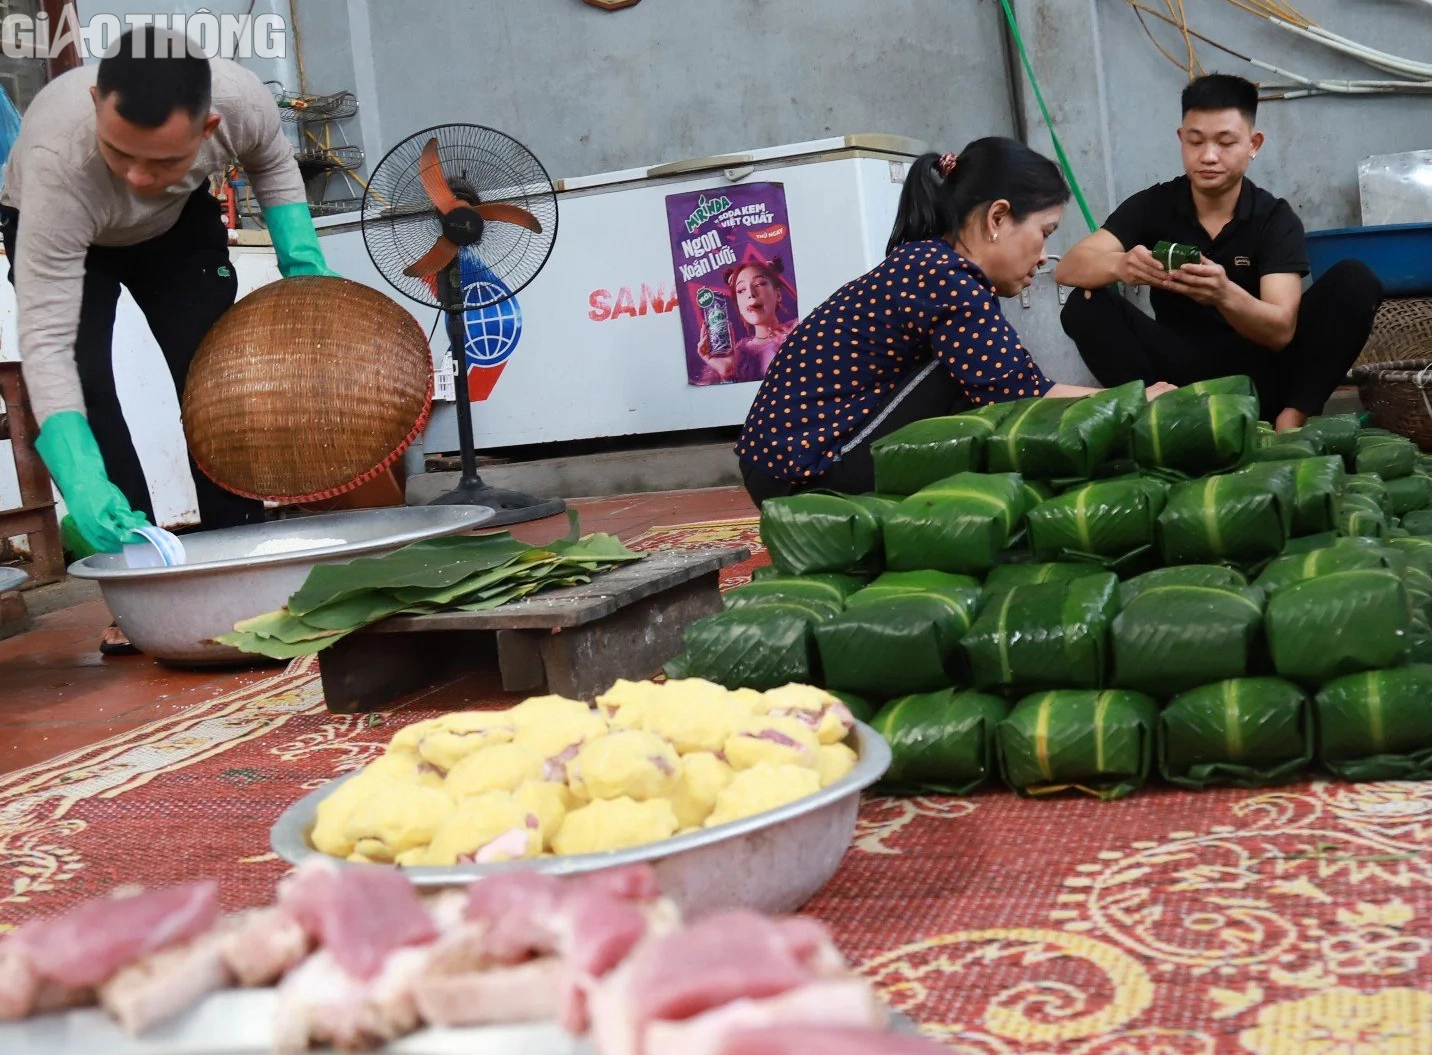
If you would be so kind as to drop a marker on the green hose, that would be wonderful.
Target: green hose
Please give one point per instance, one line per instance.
(1058, 146)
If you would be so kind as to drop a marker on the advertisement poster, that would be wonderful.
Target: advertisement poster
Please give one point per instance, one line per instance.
(735, 279)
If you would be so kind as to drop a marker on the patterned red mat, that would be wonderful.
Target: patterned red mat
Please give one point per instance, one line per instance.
(1295, 922)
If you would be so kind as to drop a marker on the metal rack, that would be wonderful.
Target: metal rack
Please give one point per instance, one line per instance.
(322, 159)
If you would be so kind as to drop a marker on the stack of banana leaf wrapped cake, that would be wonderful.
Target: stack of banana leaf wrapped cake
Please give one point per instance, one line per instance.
(1089, 593)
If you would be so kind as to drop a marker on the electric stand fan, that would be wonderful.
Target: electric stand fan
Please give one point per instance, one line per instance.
(461, 217)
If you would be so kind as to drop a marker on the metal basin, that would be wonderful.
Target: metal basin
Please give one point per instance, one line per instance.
(773, 862)
(173, 614)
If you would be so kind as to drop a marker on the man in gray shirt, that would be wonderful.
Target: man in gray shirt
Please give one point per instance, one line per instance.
(107, 186)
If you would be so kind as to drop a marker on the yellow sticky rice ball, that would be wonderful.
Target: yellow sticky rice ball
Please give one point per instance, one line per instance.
(624, 704)
(551, 724)
(832, 762)
(502, 767)
(549, 802)
(818, 709)
(459, 735)
(633, 764)
(331, 822)
(406, 766)
(615, 824)
(397, 818)
(479, 821)
(779, 741)
(762, 787)
(694, 718)
(703, 775)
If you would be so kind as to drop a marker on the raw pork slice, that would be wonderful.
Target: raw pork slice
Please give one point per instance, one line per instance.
(528, 992)
(162, 984)
(262, 945)
(849, 1003)
(321, 1003)
(804, 1040)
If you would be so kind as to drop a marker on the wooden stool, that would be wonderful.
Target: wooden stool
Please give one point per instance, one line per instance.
(35, 516)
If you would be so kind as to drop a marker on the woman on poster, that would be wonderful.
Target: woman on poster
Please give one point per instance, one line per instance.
(755, 289)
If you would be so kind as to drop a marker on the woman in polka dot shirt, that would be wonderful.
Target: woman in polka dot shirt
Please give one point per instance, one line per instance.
(920, 336)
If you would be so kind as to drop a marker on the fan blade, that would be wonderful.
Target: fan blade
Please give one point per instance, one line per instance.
(434, 260)
(504, 213)
(430, 170)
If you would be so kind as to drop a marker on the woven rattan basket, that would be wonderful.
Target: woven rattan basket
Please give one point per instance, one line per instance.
(307, 388)
(1399, 397)
(1401, 331)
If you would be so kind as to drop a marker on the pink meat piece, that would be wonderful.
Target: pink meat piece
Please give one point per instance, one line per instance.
(518, 909)
(162, 984)
(598, 930)
(848, 1003)
(554, 769)
(630, 882)
(86, 945)
(775, 736)
(506, 847)
(810, 942)
(259, 947)
(528, 992)
(827, 1040)
(19, 982)
(360, 915)
(321, 1003)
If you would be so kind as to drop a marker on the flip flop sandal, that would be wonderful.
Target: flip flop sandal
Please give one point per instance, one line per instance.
(116, 648)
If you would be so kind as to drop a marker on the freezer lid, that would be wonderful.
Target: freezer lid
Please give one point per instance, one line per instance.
(867, 145)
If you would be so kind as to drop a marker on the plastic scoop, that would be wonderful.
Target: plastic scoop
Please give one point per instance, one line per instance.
(161, 549)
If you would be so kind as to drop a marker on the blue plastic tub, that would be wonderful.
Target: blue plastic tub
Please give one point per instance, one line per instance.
(1400, 254)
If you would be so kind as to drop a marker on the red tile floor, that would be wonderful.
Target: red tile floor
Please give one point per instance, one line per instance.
(57, 693)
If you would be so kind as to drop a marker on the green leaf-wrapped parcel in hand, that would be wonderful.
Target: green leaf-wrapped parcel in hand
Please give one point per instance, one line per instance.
(1195, 434)
(1110, 519)
(1244, 732)
(1100, 743)
(1170, 639)
(1242, 517)
(901, 639)
(760, 646)
(1049, 439)
(1337, 624)
(958, 525)
(929, 450)
(1377, 725)
(1389, 456)
(941, 742)
(809, 533)
(1180, 575)
(1052, 635)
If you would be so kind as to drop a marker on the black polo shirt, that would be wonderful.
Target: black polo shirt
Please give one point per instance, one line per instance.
(1265, 237)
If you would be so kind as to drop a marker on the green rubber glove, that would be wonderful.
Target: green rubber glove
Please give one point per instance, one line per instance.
(295, 241)
(75, 543)
(101, 512)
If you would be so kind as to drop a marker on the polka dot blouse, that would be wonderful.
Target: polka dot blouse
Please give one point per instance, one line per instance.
(846, 359)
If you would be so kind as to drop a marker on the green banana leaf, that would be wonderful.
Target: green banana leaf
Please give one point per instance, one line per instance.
(1340, 623)
(1231, 385)
(1377, 725)
(1409, 494)
(929, 450)
(1195, 434)
(1100, 743)
(1180, 575)
(995, 413)
(1287, 451)
(959, 525)
(940, 742)
(1170, 639)
(963, 590)
(1239, 517)
(1417, 550)
(1052, 635)
(1062, 437)
(894, 646)
(1244, 733)
(1418, 522)
(1035, 493)
(1390, 457)
(818, 532)
(1337, 433)
(1371, 486)
(1317, 487)
(1101, 520)
(760, 646)
(1361, 517)
(1291, 570)
(1005, 577)
(878, 505)
(811, 591)
(861, 709)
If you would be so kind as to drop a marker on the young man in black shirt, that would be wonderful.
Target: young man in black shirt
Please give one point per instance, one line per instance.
(1243, 309)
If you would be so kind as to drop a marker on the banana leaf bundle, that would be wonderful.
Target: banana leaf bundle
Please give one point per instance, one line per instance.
(1317, 487)
(1241, 517)
(1107, 520)
(1100, 743)
(1180, 575)
(1052, 438)
(820, 532)
(1370, 486)
(1360, 516)
(1005, 577)
(1244, 732)
(1036, 492)
(1377, 725)
(940, 742)
(1389, 456)
(995, 413)
(1418, 522)
(759, 646)
(1417, 550)
(959, 524)
(1286, 451)
(1349, 554)
(1195, 434)
(902, 639)
(1231, 385)
(1337, 433)
(1051, 635)
(825, 591)
(459, 573)
(929, 450)
(1170, 639)
(1409, 494)
(1341, 623)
